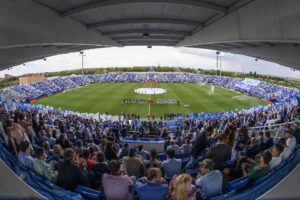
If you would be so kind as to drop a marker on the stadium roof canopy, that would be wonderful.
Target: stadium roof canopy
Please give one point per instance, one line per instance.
(264, 29)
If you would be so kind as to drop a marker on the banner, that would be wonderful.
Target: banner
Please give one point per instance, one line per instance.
(247, 84)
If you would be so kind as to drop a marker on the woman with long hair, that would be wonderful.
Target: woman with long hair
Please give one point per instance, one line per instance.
(181, 188)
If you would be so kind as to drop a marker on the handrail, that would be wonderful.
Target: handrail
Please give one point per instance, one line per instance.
(269, 126)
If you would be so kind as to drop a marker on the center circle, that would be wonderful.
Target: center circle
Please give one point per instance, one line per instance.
(150, 91)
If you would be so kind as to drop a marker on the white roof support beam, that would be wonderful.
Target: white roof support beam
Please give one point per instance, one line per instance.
(144, 20)
(94, 5)
(164, 32)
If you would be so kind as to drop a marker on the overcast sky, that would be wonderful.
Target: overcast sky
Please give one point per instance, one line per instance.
(142, 56)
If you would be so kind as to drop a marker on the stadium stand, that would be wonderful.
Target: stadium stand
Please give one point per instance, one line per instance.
(91, 144)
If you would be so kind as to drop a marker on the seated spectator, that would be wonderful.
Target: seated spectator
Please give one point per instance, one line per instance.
(253, 148)
(171, 166)
(269, 140)
(101, 166)
(86, 158)
(262, 145)
(24, 156)
(110, 153)
(286, 151)
(260, 170)
(152, 187)
(219, 153)
(186, 147)
(276, 159)
(79, 147)
(70, 175)
(144, 154)
(133, 164)
(291, 140)
(174, 146)
(248, 167)
(41, 167)
(209, 181)
(123, 151)
(181, 188)
(57, 154)
(153, 162)
(242, 141)
(117, 186)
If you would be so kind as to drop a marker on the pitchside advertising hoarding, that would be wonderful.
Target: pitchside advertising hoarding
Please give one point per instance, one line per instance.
(247, 84)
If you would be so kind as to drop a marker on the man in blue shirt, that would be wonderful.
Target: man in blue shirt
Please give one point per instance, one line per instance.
(24, 156)
(152, 187)
(209, 181)
(171, 166)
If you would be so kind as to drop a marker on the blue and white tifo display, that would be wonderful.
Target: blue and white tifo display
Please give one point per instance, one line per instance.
(247, 84)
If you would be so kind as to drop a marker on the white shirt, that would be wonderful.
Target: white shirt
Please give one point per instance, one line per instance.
(291, 142)
(275, 162)
(285, 153)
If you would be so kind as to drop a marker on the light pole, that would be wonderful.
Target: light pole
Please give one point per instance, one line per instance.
(221, 55)
(217, 54)
(81, 53)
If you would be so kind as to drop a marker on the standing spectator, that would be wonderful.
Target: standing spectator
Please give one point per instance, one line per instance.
(209, 181)
(42, 168)
(3, 118)
(198, 147)
(16, 134)
(187, 147)
(171, 166)
(133, 164)
(24, 156)
(70, 175)
(152, 187)
(117, 186)
(220, 152)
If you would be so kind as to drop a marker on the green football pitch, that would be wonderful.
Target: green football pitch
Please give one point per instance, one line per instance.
(107, 97)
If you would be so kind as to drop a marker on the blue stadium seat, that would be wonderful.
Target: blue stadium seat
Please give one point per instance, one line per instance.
(238, 184)
(88, 193)
(259, 180)
(162, 156)
(178, 155)
(186, 155)
(224, 196)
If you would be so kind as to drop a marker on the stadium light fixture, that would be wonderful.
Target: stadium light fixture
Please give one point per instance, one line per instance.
(81, 53)
(146, 35)
(149, 46)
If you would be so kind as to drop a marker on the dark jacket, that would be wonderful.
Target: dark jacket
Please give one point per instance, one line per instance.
(219, 154)
(199, 145)
(70, 176)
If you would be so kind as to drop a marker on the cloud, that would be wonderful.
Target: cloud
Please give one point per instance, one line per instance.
(143, 56)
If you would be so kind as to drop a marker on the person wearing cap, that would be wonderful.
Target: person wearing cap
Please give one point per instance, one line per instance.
(133, 164)
(209, 181)
(291, 140)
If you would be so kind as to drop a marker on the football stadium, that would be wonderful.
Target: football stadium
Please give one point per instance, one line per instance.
(149, 133)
